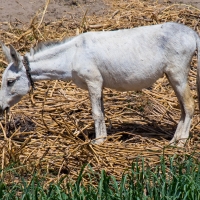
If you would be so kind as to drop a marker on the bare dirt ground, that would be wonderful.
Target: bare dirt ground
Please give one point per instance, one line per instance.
(20, 12)
(195, 3)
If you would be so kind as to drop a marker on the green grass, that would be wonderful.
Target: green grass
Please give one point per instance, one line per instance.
(172, 179)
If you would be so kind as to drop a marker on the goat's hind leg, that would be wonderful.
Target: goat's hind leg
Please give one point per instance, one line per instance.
(182, 90)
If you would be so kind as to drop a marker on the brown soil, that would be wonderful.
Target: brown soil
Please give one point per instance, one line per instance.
(195, 3)
(20, 12)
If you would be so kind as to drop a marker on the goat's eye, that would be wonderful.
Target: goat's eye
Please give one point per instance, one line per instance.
(10, 82)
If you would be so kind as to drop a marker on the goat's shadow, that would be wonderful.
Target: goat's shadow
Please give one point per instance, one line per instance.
(125, 131)
(129, 130)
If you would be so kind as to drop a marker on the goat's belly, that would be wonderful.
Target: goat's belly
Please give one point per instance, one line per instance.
(122, 82)
(131, 72)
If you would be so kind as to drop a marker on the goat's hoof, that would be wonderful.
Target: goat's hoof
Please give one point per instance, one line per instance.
(172, 143)
(179, 143)
(98, 141)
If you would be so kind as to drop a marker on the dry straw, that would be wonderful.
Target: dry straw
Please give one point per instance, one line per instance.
(51, 130)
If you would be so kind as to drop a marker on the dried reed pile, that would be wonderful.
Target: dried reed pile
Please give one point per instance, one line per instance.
(51, 130)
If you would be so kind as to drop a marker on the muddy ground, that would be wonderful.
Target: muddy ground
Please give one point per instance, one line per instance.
(20, 12)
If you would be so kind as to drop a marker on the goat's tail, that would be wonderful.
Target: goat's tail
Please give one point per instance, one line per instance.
(198, 69)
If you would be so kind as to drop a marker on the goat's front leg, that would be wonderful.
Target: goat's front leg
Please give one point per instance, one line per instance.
(95, 92)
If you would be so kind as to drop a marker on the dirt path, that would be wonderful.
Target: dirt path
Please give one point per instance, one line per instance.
(20, 12)
(195, 3)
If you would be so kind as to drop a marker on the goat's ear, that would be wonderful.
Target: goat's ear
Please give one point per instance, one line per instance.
(15, 56)
(6, 52)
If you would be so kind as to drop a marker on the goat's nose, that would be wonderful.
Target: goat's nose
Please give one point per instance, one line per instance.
(7, 109)
(1, 111)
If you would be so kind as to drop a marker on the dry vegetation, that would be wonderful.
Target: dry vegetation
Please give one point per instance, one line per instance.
(51, 130)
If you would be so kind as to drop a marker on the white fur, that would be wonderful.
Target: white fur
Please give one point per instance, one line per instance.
(129, 59)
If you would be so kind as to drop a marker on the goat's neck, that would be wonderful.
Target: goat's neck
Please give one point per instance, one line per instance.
(52, 64)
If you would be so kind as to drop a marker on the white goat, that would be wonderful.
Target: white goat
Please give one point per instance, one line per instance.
(129, 59)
